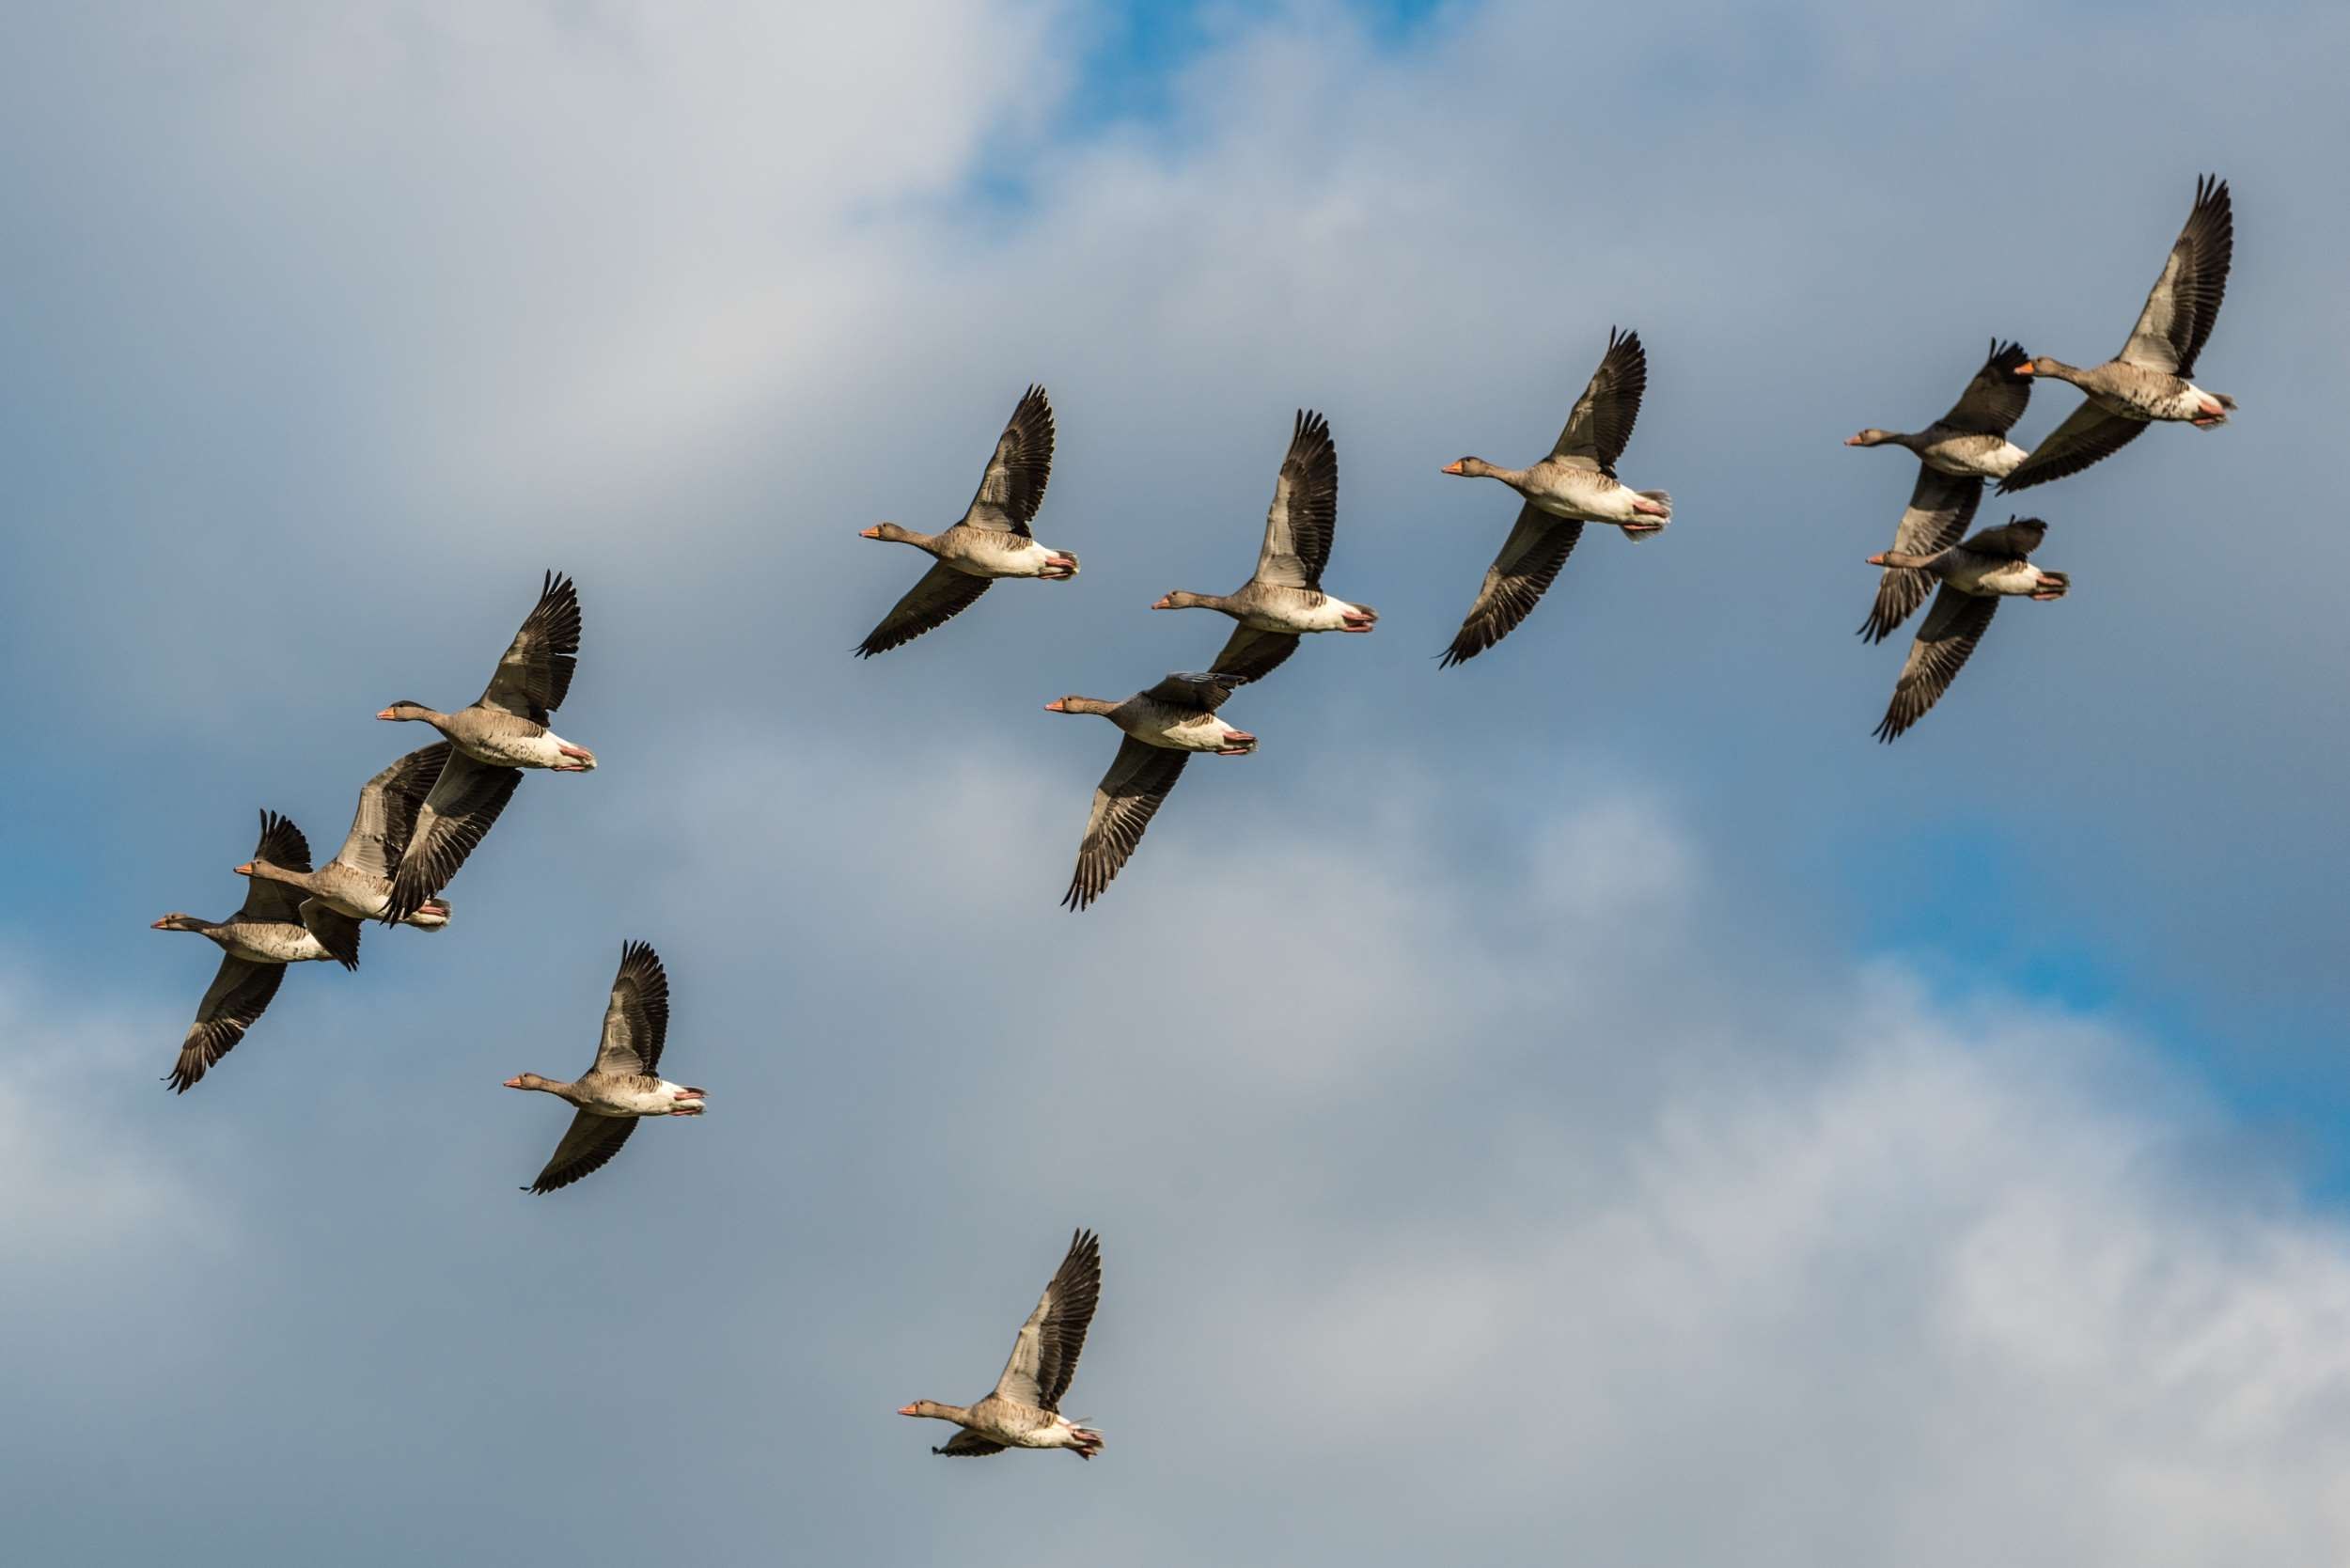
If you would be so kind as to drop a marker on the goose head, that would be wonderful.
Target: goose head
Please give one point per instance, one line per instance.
(1181, 599)
(1470, 467)
(404, 711)
(176, 921)
(888, 532)
(1871, 437)
(529, 1080)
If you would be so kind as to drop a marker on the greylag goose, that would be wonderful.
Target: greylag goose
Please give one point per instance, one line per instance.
(275, 927)
(358, 880)
(1164, 726)
(991, 541)
(1575, 485)
(490, 742)
(625, 1083)
(1975, 576)
(1284, 599)
(1956, 454)
(1024, 1412)
(2150, 378)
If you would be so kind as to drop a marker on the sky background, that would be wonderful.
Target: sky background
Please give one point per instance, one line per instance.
(1593, 1103)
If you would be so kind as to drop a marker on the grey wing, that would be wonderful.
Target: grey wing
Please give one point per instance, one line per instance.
(637, 1021)
(943, 594)
(1304, 509)
(463, 803)
(1996, 398)
(2185, 300)
(1044, 1356)
(2089, 435)
(1013, 486)
(1530, 559)
(535, 675)
(588, 1144)
(238, 994)
(338, 934)
(1939, 510)
(968, 1445)
(1603, 417)
(1202, 692)
(1128, 796)
(388, 807)
(2015, 540)
(1951, 628)
(281, 844)
(1253, 654)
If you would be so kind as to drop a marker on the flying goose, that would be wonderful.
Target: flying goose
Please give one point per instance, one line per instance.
(991, 541)
(625, 1083)
(1164, 726)
(1956, 454)
(358, 880)
(491, 741)
(1024, 1412)
(274, 926)
(1975, 576)
(1284, 599)
(2149, 379)
(1575, 485)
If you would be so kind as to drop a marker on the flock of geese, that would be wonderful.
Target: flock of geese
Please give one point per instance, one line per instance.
(420, 817)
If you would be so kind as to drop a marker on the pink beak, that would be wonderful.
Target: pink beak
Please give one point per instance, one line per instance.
(1167, 602)
(513, 1083)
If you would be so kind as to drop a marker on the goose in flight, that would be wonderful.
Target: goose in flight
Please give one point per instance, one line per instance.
(1023, 1411)
(1284, 599)
(490, 744)
(1956, 454)
(1575, 484)
(625, 1083)
(2150, 379)
(1164, 726)
(274, 926)
(1975, 576)
(358, 880)
(991, 541)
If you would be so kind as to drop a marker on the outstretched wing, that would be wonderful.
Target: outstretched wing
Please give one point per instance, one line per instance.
(232, 1004)
(388, 807)
(943, 594)
(281, 844)
(463, 803)
(1939, 510)
(1013, 486)
(1305, 511)
(2089, 435)
(535, 675)
(1202, 692)
(1602, 421)
(2186, 298)
(1996, 398)
(637, 1021)
(1253, 654)
(967, 1445)
(1044, 1356)
(1530, 559)
(337, 933)
(2013, 539)
(1124, 802)
(588, 1144)
(1951, 628)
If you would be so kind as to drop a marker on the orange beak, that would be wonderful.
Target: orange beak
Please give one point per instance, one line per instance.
(246, 869)
(1876, 561)
(1167, 602)
(1451, 469)
(1852, 441)
(2025, 368)
(160, 925)
(873, 532)
(514, 1083)
(385, 715)
(905, 1410)
(1056, 706)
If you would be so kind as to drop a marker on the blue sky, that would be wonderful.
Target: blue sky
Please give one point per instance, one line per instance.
(1592, 1094)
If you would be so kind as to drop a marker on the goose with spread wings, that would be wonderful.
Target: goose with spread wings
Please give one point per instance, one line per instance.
(1163, 727)
(1575, 484)
(625, 1084)
(1956, 454)
(490, 742)
(1284, 599)
(358, 880)
(1975, 575)
(1023, 1411)
(275, 926)
(991, 541)
(2152, 378)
